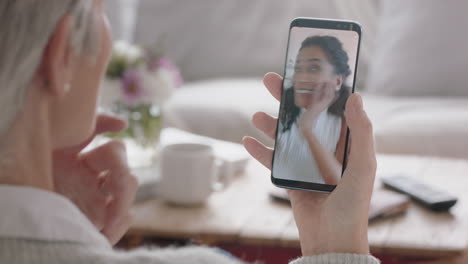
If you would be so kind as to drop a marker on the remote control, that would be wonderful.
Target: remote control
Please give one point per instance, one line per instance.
(428, 196)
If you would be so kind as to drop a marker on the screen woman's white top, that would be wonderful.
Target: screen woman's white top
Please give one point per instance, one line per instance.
(293, 159)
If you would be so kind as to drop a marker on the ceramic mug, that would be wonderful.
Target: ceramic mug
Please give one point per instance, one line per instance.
(189, 173)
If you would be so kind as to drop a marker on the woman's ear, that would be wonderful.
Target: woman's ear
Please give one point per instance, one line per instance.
(56, 66)
(339, 82)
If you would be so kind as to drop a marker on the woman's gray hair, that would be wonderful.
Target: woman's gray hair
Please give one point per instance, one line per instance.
(25, 29)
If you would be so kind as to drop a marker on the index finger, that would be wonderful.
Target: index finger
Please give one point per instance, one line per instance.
(104, 124)
(109, 124)
(111, 156)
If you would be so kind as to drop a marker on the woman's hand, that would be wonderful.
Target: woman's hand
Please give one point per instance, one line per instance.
(322, 100)
(99, 182)
(336, 222)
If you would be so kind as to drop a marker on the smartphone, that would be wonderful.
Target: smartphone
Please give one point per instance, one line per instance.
(319, 76)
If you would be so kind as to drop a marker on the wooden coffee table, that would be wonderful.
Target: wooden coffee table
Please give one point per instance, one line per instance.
(244, 214)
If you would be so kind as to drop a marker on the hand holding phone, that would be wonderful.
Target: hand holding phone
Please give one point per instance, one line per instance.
(336, 222)
(320, 73)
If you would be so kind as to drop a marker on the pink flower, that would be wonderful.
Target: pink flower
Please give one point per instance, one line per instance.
(132, 87)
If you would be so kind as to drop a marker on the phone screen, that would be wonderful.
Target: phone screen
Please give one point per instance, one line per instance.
(312, 134)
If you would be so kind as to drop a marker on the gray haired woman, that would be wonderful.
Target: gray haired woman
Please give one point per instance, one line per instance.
(61, 205)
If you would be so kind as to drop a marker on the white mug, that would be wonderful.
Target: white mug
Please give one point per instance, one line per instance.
(189, 173)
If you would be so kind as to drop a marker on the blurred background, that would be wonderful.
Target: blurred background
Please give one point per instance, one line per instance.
(197, 66)
(412, 69)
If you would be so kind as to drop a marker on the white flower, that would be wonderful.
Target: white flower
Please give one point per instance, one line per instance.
(159, 85)
(130, 52)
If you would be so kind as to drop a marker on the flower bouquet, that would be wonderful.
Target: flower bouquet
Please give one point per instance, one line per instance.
(138, 81)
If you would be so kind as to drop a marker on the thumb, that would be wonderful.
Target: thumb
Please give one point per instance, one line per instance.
(362, 161)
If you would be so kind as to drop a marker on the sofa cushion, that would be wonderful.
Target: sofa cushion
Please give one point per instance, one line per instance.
(420, 126)
(221, 109)
(421, 49)
(225, 38)
(403, 125)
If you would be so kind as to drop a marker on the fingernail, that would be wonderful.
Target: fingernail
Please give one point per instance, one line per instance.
(109, 199)
(359, 103)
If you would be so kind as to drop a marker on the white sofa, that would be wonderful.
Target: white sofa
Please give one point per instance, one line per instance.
(403, 125)
(224, 47)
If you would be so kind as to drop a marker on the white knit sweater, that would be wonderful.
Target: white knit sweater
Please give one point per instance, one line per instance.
(38, 227)
(40, 252)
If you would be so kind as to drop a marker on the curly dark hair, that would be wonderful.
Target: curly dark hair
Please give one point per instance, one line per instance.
(337, 56)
